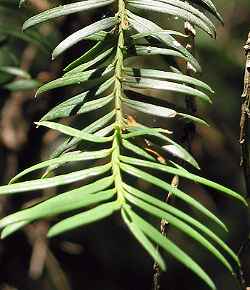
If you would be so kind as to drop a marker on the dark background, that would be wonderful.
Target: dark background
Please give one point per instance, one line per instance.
(105, 256)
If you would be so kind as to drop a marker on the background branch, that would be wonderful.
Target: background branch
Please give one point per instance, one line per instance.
(189, 133)
(244, 121)
(244, 144)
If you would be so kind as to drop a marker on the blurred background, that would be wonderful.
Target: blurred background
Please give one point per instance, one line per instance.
(104, 256)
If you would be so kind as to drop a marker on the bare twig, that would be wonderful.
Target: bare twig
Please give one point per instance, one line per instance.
(164, 231)
(244, 144)
(241, 276)
(189, 132)
(190, 129)
(244, 121)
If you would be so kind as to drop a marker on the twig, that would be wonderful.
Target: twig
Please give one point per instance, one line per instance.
(189, 133)
(244, 143)
(244, 121)
(240, 274)
(164, 230)
(190, 129)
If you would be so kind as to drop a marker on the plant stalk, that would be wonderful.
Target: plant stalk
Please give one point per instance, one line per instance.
(244, 121)
(118, 91)
(244, 143)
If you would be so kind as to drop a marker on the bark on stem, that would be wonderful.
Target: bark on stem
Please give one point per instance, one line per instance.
(244, 121)
(164, 231)
(244, 143)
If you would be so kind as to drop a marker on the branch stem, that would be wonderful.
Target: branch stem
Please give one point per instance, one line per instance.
(164, 231)
(244, 143)
(244, 121)
(118, 92)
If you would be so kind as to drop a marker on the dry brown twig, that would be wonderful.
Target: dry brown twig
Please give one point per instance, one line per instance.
(244, 142)
(189, 132)
(244, 121)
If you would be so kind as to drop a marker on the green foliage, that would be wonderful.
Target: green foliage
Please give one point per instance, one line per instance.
(11, 29)
(111, 84)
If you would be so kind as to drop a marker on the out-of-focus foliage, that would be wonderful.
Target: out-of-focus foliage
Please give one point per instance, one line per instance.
(12, 43)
